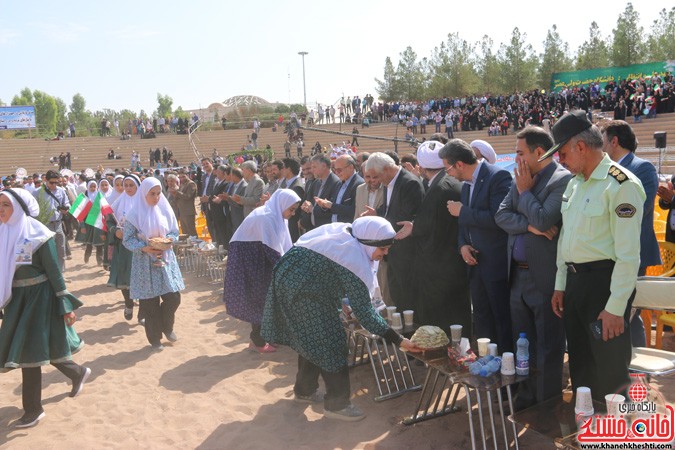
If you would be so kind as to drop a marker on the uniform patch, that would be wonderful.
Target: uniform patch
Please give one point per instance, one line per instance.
(625, 210)
(617, 174)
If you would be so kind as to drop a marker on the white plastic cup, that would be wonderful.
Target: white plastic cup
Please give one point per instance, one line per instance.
(584, 402)
(390, 313)
(613, 401)
(456, 333)
(396, 323)
(492, 349)
(408, 317)
(508, 364)
(483, 346)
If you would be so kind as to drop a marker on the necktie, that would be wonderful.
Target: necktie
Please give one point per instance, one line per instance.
(283, 184)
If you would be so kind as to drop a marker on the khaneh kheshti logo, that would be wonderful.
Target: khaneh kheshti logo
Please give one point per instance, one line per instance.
(646, 418)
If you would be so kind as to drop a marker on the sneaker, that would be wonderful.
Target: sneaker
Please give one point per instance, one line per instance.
(29, 420)
(79, 384)
(141, 321)
(267, 348)
(316, 397)
(158, 346)
(128, 313)
(171, 336)
(351, 413)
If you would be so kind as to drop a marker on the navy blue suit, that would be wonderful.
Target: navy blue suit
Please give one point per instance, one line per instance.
(650, 254)
(347, 205)
(489, 278)
(645, 171)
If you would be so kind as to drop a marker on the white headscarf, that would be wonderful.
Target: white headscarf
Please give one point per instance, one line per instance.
(92, 195)
(152, 221)
(337, 243)
(124, 202)
(114, 195)
(18, 229)
(485, 149)
(266, 223)
(110, 188)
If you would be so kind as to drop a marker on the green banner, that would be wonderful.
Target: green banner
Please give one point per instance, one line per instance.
(561, 80)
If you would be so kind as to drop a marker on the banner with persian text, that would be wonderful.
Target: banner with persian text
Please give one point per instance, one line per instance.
(583, 78)
(17, 117)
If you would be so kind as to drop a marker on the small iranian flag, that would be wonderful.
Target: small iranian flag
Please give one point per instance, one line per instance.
(99, 209)
(80, 207)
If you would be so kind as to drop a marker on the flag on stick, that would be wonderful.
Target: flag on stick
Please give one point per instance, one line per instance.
(80, 207)
(99, 209)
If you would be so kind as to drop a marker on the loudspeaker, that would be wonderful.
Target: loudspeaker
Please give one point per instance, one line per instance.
(660, 139)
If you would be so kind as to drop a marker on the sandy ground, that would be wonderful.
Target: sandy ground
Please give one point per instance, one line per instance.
(206, 390)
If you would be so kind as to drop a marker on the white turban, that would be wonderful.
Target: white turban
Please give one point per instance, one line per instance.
(485, 149)
(427, 155)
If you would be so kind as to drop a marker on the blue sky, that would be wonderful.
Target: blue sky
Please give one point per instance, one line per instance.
(120, 54)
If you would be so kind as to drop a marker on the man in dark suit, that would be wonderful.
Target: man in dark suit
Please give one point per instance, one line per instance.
(216, 205)
(342, 205)
(208, 180)
(325, 186)
(440, 283)
(238, 187)
(291, 180)
(402, 198)
(481, 242)
(620, 144)
(531, 215)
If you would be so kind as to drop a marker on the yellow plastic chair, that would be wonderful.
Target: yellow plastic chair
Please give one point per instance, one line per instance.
(668, 258)
(660, 226)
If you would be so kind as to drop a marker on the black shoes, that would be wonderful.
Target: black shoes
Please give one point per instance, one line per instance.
(79, 384)
(128, 313)
(29, 420)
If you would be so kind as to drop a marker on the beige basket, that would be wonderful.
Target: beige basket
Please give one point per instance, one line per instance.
(159, 243)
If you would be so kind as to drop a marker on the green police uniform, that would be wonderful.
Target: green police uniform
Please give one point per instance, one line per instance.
(598, 259)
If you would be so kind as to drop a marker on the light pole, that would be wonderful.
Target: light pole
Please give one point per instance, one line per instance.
(304, 86)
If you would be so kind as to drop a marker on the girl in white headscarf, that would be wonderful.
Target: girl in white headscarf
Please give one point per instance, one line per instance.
(327, 264)
(38, 310)
(91, 236)
(256, 246)
(104, 188)
(120, 257)
(117, 190)
(154, 273)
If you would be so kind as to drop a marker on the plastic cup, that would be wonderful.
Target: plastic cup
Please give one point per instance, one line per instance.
(390, 312)
(396, 323)
(508, 364)
(492, 349)
(408, 317)
(613, 401)
(584, 402)
(483, 346)
(456, 333)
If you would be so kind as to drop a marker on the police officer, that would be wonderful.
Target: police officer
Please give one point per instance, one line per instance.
(598, 256)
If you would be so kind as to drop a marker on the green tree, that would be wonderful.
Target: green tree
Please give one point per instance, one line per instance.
(594, 52)
(409, 73)
(282, 109)
(627, 43)
(61, 119)
(661, 41)
(487, 65)
(518, 63)
(165, 105)
(25, 97)
(555, 57)
(2, 103)
(78, 113)
(45, 112)
(452, 68)
(387, 89)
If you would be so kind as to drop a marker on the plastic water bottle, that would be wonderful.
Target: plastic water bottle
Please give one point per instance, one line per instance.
(478, 366)
(491, 367)
(523, 355)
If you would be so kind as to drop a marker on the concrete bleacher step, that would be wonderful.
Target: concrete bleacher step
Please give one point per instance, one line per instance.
(34, 154)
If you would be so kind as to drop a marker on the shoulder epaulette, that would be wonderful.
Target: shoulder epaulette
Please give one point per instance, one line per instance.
(617, 173)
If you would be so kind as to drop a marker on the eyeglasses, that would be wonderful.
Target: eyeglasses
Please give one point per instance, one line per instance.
(449, 168)
(52, 182)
